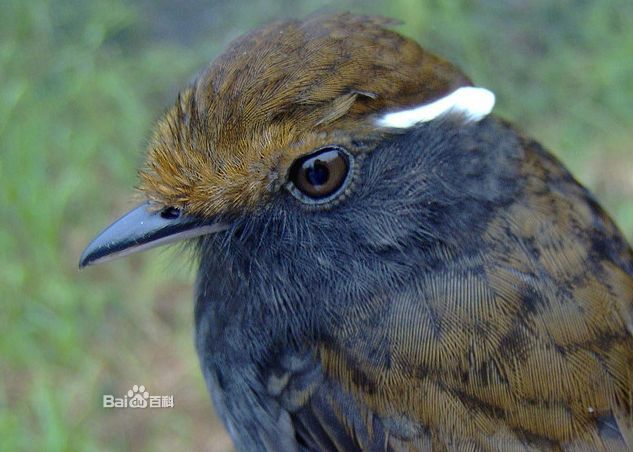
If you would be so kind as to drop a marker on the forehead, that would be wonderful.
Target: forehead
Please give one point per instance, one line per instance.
(277, 93)
(305, 65)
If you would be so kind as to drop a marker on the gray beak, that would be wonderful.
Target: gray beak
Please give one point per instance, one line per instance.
(141, 229)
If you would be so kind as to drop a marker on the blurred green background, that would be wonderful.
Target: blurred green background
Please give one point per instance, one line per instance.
(81, 83)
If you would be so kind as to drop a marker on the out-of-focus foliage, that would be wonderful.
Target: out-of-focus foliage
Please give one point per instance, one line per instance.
(81, 83)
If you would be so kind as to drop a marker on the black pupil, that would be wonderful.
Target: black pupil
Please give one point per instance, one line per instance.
(318, 174)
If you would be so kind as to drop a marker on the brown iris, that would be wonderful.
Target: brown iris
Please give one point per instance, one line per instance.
(320, 174)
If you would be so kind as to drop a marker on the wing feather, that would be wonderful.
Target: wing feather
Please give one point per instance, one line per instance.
(520, 340)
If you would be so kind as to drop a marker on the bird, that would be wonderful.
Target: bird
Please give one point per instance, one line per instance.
(384, 263)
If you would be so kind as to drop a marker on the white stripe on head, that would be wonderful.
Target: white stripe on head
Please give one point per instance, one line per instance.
(474, 103)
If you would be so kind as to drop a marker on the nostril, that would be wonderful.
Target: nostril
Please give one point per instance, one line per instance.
(170, 213)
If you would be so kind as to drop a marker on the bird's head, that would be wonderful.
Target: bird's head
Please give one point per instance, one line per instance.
(301, 131)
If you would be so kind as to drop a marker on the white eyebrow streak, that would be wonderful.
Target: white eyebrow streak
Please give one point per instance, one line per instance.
(472, 102)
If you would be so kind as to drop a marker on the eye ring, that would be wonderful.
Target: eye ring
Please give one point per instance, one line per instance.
(321, 176)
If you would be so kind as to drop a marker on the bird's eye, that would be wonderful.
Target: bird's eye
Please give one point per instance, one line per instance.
(320, 176)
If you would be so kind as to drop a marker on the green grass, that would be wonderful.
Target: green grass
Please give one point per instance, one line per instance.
(82, 83)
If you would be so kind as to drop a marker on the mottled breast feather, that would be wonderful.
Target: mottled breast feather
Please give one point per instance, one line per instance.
(506, 327)
(466, 293)
(525, 343)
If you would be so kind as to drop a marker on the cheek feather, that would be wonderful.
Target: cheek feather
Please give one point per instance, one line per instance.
(474, 103)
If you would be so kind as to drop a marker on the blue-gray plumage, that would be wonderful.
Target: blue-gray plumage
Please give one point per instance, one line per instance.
(363, 285)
